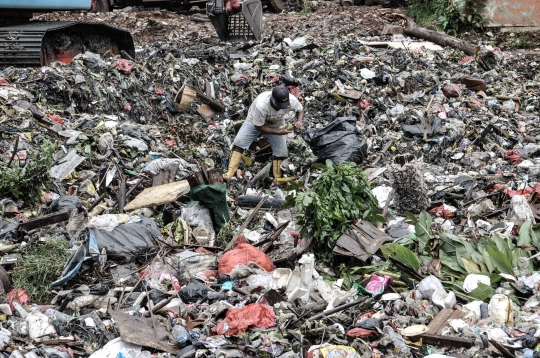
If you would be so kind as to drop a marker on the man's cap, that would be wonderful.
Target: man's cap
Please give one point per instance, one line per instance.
(280, 97)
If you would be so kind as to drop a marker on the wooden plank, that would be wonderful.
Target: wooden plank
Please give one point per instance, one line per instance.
(215, 177)
(139, 331)
(165, 176)
(442, 341)
(440, 321)
(159, 195)
(45, 220)
(361, 240)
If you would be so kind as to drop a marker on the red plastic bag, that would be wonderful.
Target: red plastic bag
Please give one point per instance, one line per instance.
(512, 157)
(3, 82)
(525, 192)
(55, 118)
(441, 212)
(361, 332)
(239, 320)
(378, 284)
(124, 66)
(242, 254)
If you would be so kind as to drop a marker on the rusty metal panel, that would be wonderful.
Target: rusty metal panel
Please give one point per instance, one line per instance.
(513, 12)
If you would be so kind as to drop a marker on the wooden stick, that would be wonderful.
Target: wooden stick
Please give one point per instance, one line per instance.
(15, 151)
(426, 116)
(248, 220)
(387, 204)
(385, 148)
(339, 309)
(121, 194)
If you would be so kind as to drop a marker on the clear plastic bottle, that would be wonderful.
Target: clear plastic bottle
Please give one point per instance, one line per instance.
(399, 343)
(180, 334)
(60, 316)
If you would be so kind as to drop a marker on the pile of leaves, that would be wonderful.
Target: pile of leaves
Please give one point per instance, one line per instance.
(338, 197)
(451, 258)
(38, 265)
(25, 179)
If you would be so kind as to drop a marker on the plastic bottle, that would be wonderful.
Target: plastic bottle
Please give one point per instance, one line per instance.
(62, 317)
(399, 343)
(180, 334)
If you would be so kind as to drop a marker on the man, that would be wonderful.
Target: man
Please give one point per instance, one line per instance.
(268, 114)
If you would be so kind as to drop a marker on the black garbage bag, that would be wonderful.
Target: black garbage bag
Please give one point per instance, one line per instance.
(125, 240)
(370, 323)
(340, 141)
(527, 341)
(157, 296)
(193, 292)
(66, 202)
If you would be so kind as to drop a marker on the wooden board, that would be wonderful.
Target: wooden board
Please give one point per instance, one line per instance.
(446, 341)
(165, 176)
(139, 331)
(440, 321)
(159, 195)
(433, 335)
(361, 240)
(45, 220)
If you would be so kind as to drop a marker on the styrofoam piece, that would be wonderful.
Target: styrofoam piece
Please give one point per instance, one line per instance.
(280, 278)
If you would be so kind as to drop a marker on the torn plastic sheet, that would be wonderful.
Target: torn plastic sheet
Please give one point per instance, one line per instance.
(184, 168)
(72, 267)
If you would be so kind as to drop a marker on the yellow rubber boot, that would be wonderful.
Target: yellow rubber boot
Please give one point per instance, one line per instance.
(234, 163)
(276, 168)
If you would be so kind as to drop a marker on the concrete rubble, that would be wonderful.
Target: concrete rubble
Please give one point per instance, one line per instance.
(405, 225)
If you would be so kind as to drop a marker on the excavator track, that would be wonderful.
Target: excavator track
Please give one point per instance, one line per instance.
(40, 43)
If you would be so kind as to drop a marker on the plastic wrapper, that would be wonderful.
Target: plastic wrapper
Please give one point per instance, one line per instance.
(195, 264)
(184, 168)
(244, 253)
(339, 141)
(378, 284)
(332, 351)
(108, 222)
(239, 320)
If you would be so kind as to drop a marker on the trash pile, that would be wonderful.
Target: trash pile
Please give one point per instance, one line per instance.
(405, 225)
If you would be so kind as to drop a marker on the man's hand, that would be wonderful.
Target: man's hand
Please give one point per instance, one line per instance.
(298, 125)
(283, 131)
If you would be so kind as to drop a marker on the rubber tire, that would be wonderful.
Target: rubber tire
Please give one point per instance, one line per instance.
(277, 5)
(100, 6)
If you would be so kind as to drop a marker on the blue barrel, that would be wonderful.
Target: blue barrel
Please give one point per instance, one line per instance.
(45, 4)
